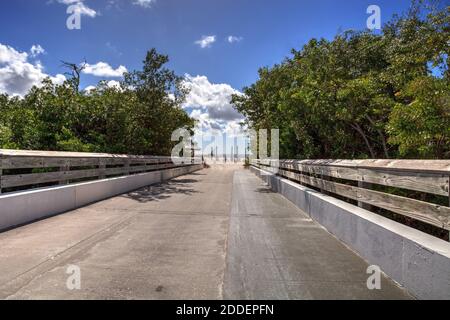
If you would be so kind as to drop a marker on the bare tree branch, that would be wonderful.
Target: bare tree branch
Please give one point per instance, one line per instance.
(74, 72)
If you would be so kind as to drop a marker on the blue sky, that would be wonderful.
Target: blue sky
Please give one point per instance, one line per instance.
(121, 32)
(115, 34)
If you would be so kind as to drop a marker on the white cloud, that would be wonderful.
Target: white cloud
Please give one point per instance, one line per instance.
(36, 50)
(80, 7)
(8, 55)
(88, 89)
(85, 10)
(144, 3)
(218, 123)
(216, 98)
(114, 84)
(233, 39)
(210, 103)
(223, 135)
(206, 41)
(69, 2)
(18, 75)
(109, 84)
(103, 69)
(204, 122)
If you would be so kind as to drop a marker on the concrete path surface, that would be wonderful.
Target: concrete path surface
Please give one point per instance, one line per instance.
(275, 251)
(215, 234)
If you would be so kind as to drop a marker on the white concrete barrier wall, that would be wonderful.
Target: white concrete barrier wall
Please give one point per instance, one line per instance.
(27, 206)
(417, 261)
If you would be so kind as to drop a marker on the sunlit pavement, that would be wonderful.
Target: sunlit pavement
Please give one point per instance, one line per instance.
(216, 234)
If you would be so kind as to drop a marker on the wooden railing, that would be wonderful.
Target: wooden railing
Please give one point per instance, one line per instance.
(359, 180)
(32, 169)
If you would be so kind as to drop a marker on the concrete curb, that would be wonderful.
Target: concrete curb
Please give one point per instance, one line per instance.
(417, 261)
(24, 207)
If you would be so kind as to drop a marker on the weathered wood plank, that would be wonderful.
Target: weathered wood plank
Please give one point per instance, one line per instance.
(102, 169)
(431, 166)
(424, 182)
(10, 181)
(59, 154)
(64, 168)
(21, 162)
(34, 153)
(426, 166)
(419, 210)
(55, 154)
(364, 185)
(437, 183)
(135, 169)
(1, 173)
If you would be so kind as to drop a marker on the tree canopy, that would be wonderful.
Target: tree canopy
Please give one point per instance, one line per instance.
(362, 94)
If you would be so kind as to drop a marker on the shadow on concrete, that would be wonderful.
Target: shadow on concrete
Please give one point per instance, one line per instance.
(197, 174)
(264, 190)
(163, 191)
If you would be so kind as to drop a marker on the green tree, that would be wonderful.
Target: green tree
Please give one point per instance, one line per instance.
(357, 95)
(137, 117)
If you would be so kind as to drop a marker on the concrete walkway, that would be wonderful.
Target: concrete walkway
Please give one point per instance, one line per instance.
(177, 241)
(275, 251)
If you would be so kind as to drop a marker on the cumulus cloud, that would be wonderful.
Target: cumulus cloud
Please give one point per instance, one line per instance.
(110, 84)
(36, 50)
(88, 89)
(216, 98)
(18, 75)
(113, 84)
(204, 122)
(103, 69)
(210, 103)
(233, 39)
(144, 3)
(206, 41)
(80, 7)
(8, 55)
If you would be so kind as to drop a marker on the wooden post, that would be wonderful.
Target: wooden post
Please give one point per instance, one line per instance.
(324, 178)
(102, 169)
(448, 197)
(232, 152)
(64, 168)
(365, 185)
(1, 172)
(320, 176)
(127, 167)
